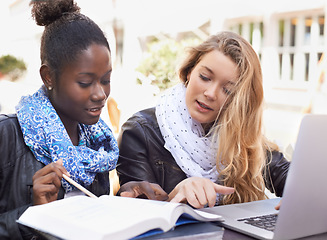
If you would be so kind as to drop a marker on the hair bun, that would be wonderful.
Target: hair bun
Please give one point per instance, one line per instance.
(47, 11)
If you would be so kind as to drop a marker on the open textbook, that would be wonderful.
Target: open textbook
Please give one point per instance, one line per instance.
(108, 217)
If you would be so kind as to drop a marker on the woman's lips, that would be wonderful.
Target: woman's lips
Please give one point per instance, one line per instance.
(95, 111)
(203, 106)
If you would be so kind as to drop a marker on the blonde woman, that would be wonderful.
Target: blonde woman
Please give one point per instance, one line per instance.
(203, 142)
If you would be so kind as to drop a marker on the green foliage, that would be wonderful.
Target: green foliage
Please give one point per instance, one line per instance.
(160, 62)
(12, 67)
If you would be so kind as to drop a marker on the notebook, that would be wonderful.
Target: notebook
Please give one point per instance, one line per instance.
(304, 203)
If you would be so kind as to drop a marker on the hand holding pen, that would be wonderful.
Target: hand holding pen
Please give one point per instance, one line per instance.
(47, 182)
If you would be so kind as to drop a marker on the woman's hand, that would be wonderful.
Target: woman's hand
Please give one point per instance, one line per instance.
(277, 207)
(198, 192)
(150, 190)
(47, 182)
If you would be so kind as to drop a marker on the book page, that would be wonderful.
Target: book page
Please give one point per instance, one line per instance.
(107, 217)
(144, 208)
(81, 217)
(187, 212)
(167, 210)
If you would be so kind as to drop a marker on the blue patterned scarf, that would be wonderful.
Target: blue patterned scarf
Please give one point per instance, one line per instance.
(46, 136)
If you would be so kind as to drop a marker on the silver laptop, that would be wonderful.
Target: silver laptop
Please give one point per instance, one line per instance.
(304, 205)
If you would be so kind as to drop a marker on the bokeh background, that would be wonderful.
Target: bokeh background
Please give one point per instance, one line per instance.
(148, 38)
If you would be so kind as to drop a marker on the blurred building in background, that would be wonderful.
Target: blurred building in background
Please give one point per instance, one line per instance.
(289, 37)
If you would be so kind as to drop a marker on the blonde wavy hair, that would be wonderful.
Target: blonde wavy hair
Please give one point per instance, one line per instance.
(243, 150)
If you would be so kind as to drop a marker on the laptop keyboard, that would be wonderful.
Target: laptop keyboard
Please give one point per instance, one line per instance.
(267, 222)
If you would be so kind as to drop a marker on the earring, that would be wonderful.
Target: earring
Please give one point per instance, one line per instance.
(49, 88)
(186, 82)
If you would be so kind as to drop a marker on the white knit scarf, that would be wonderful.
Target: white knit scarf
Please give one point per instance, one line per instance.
(184, 137)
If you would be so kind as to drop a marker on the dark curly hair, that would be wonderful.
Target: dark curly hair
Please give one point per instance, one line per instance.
(67, 32)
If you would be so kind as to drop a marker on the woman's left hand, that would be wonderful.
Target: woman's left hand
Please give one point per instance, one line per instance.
(198, 192)
(150, 190)
(277, 207)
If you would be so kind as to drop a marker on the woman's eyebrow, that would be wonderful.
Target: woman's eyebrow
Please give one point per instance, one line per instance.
(208, 69)
(230, 83)
(93, 74)
(109, 71)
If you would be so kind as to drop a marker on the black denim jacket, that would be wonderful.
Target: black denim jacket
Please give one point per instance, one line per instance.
(17, 167)
(143, 156)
